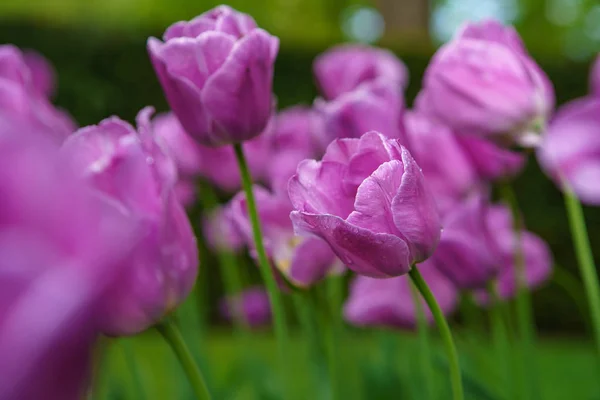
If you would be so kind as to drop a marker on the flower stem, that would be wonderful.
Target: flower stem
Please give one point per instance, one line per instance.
(525, 323)
(333, 328)
(500, 337)
(446, 335)
(585, 259)
(424, 347)
(281, 333)
(172, 336)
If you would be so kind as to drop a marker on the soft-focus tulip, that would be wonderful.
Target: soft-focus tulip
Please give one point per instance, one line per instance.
(537, 255)
(344, 68)
(367, 198)
(491, 161)
(217, 74)
(467, 253)
(296, 134)
(221, 232)
(449, 171)
(482, 83)
(130, 169)
(302, 261)
(195, 160)
(41, 72)
(252, 305)
(571, 148)
(24, 101)
(390, 303)
(595, 77)
(373, 107)
(60, 249)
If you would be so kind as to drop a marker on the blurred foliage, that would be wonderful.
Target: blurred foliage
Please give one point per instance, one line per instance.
(102, 74)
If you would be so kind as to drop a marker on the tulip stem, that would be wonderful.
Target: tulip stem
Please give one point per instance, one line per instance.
(172, 336)
(525, 323)
(585, 258)
(445, 333)
(500, 336)
(333, 327)
(129, 356)
(281, 332)
(424, 347)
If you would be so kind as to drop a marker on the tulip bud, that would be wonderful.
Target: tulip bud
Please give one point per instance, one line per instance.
(131, 170)
(217, 74)
(483, 83)
(252, 305)
(368, 200)
(344, 68)
(595, 77)
(390, 303)
(570, 149)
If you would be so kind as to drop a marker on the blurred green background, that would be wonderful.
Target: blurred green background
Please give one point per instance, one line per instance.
(98, 49)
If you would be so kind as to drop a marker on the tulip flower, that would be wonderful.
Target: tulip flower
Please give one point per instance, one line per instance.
(537, 255)
(467, 253)
(449, 171)
(390, 303)
(23, 98)
(221, 232)
(60, 251)
(196, 160)
(344, 68)
(376, 106)
(42, 73)
(483, 83)
(571, 148)
(368, 200)
(302, 261)
(252, 305)
(131, 170)
(217, 74)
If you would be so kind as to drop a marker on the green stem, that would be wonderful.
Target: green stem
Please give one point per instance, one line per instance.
(525, 323)
(129, 355)
(446, 335)
(333, 327)
(281, 332)
(424, 347)
(574, 288)
(585, 259)
(500, 337)
(173, 337)
(307, 318)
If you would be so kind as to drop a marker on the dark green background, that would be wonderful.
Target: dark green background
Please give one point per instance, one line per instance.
(102, 74)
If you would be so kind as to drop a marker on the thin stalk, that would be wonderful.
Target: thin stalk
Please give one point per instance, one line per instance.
(585, 259)
(500, 337)
(445, 334)
(524, 309)
(424, 346)
(333, 328)
(173, 337)
(281, 331)
(574, 288)
(132, 365)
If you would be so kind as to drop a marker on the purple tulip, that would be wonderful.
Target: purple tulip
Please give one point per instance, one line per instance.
(21, 97)
(481, 83)
(344, 68)
(375, 106)
(252, 304)
(467, 253)
(537, 255)
(390, 303)
(60, 249)
(570, 150)
(217, 74)
(221, 231)
(194, 160)
(303, 261)
(446, 166)
(491, 161)
(296, 135)
(43, 76)
(493, 31)
(368, 200)
(132, 171)
(595, 77)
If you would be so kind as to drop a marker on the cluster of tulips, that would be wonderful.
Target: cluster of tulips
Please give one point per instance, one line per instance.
(95, 240)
